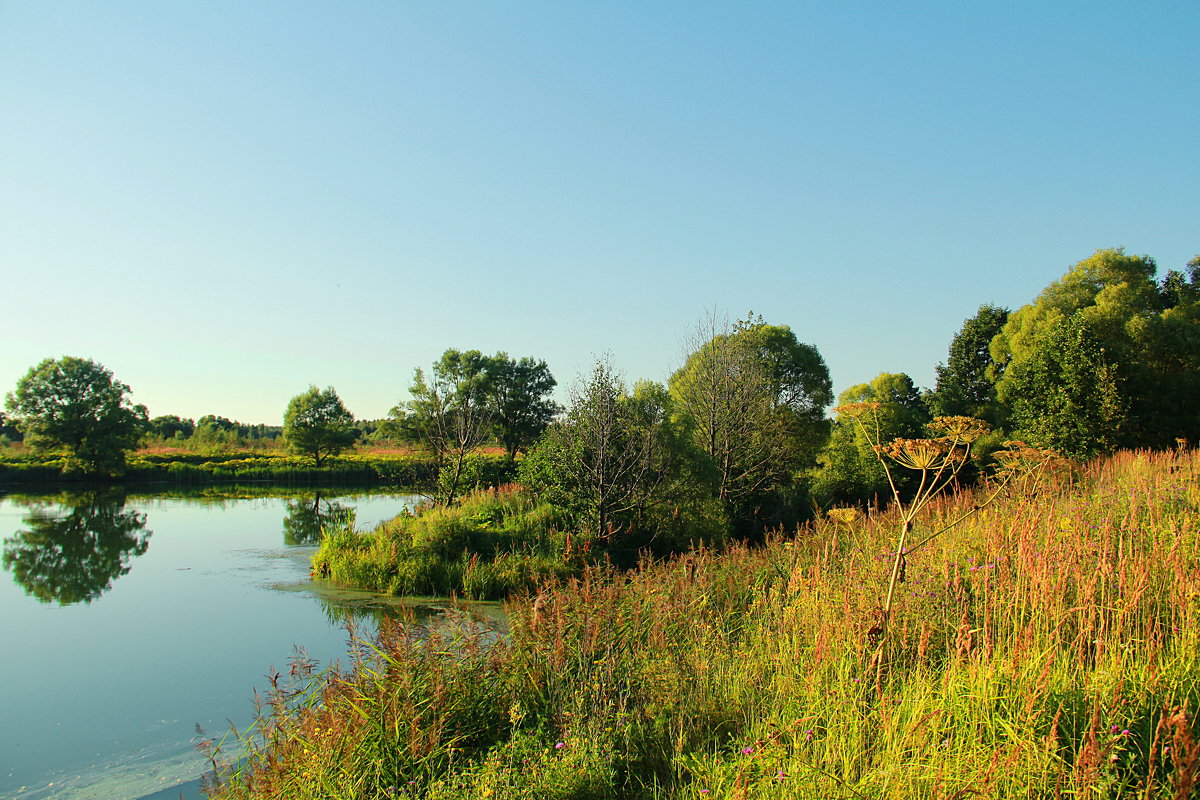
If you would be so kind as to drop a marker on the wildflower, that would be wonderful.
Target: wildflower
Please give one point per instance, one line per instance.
(847, 515)
(959, 430)
(747, 751)
(919, 454)
(560, 745)
(780, 775)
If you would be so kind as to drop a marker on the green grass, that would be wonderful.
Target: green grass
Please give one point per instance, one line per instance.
(495, 542)
(1047, 647)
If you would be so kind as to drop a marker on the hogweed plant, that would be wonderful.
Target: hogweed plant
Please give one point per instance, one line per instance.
(938, 461)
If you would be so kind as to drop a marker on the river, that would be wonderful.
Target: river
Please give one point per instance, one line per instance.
(128, 624)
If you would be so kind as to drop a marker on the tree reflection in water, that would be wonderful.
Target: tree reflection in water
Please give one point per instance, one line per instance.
(309, 517)
(72, 553)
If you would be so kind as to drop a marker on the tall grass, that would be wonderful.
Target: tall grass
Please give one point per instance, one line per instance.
(494, 543)
(1049, 646)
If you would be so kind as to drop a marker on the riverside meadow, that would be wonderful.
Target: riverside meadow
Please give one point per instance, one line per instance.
(1049, 646)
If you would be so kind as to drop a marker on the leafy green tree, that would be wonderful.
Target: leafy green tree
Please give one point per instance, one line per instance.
(1149, 333)
(753, 399)
(623, 469)
(450, 413)
(964, 383)
(1066, 395)
(74, 404)
(171, 426)
(317, 424)
(518, 392)
(75, 557)
(851, 471)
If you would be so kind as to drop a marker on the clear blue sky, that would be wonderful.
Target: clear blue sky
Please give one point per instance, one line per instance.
(224, 202)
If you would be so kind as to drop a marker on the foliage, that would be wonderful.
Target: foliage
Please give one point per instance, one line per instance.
(492, 543)
(450, 414)
(623, 468)
(75, 404)
(171, 426)
(518, 392)
(937, 461)
(1066, 394)
(316, 424)
(851, 471)
(964, 383)
(752, 398)
(9, 432)
(75, 557)
(1147, 335)
(1048, 646)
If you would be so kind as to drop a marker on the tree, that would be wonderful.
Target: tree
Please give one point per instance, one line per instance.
(74, 557)
(753, 398)
(851, 471)
(1148, 332)
(171, 426)
(75, 404)
(317, 424)
(1066, 394)
(622, 468)
(964, 386)
(450, 414)
(518, 392)
(9, 432)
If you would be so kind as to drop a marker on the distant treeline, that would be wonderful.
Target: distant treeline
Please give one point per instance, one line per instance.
(415, 471)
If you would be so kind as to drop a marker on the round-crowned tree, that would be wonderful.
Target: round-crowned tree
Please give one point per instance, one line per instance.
(74, 404)
(316, 424)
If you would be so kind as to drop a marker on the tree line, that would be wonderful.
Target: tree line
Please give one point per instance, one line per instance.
(738, 438)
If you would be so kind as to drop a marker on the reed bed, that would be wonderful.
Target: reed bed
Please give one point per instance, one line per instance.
(1049, 646)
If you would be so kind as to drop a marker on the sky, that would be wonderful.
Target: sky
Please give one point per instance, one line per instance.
(225, 202)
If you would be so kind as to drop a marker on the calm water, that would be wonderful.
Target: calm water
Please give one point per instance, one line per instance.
(127, 623)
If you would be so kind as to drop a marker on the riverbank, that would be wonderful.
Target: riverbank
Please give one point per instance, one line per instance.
(1049, 645)
(26, 470)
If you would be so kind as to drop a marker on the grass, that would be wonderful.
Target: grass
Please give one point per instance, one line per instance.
(494, 543)
(1049, 646)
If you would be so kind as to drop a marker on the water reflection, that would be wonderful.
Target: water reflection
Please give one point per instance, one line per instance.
(73, 550)
(309, 517)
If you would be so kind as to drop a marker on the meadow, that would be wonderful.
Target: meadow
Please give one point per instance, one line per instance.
(1048, 646)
